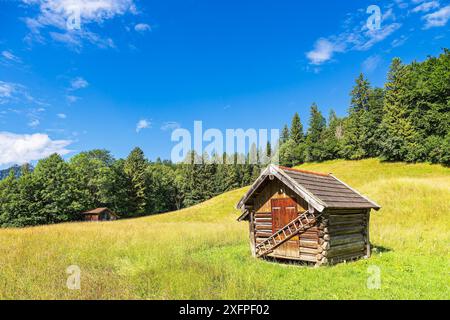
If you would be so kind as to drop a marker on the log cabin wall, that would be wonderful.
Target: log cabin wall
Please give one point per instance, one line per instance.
(304, 247)
(343, 235)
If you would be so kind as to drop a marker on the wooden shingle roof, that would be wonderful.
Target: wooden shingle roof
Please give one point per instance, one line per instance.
(330, 190)
(318, 189)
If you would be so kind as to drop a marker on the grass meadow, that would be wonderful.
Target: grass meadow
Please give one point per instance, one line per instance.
(202, 252)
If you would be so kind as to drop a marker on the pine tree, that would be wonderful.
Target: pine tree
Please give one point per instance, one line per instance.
(354, 136)
(314, 138)
(285, 135)
(333, 135)
(135, 169)
(397, 127)
(268, 149)
(296, 133)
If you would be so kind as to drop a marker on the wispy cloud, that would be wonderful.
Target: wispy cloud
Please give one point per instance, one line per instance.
(34, 123)
(71, 19)
(72, 99)
(324, 50)
(399, 41)
(143, 124)
(170, 125)
(372, 37)
(14, 93)
(23, 148)
(371, 63)
(61, 115)
(9, 57)
(356, 36)
(7, 89)
(142, 27)
(78, 83)
(438, 18)
(426, 6)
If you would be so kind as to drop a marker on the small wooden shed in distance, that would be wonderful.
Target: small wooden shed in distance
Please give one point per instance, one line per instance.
(99, 214)
(306, 216)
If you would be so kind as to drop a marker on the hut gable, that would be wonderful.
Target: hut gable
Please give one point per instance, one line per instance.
(320, 190)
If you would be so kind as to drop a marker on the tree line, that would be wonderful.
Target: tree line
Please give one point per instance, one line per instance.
(407, 120)
(58, 191)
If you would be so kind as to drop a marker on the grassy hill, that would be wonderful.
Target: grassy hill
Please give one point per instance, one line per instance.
(202, 252)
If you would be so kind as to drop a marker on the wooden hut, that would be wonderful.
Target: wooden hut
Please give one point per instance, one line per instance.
(306, 216)
(99, 214)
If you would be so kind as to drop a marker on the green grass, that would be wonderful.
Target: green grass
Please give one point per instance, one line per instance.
(202, 252)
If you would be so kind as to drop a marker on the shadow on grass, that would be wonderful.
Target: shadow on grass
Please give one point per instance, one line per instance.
(288, 262)
(376, 250)
(380, 249)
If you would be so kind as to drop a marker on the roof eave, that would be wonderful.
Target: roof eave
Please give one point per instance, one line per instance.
(283, 177)
(375, 205)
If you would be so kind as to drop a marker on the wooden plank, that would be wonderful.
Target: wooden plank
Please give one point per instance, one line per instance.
(263, 228)
(260, 234)
(303, 250)
(334, 231)
(345, 249)
(348, 257)
(263, 215)
(252, 237)
(308, 257)
(346, 239)
(368, 248)
(308, 243)
(346, 223)
(355, 216)
(332, 211)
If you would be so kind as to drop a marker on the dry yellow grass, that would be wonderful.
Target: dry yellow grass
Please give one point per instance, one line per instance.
(202, 252)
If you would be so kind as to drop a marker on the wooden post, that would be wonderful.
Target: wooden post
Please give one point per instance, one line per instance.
(368, 249)
(323, 243)
(252, 234)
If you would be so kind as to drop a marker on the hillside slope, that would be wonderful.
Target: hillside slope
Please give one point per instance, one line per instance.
(202, 252)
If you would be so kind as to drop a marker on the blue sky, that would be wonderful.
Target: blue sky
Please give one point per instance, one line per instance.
(135, 70)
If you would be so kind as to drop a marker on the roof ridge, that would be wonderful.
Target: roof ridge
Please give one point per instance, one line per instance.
(305, 171)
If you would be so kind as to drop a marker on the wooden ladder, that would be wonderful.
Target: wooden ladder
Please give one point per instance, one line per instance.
(303, 222)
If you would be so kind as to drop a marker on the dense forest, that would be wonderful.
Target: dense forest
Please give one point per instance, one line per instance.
(407, 120)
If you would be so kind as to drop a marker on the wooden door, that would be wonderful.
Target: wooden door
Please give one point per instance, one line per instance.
(283, 212)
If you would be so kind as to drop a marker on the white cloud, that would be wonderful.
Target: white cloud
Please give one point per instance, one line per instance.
(61, 115)
(78, 83)
(142, 124)
(142, 27)
(323, 51)
(8, 55)
(7, 89)
(401, 4)
(372, 37)
(438, 18)
(358, 39)
(170, 125)
(426, 6)
(399, 41)
(23, 148)
(34, 123)
(72, 18)
(72, 99)
(371, 63)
